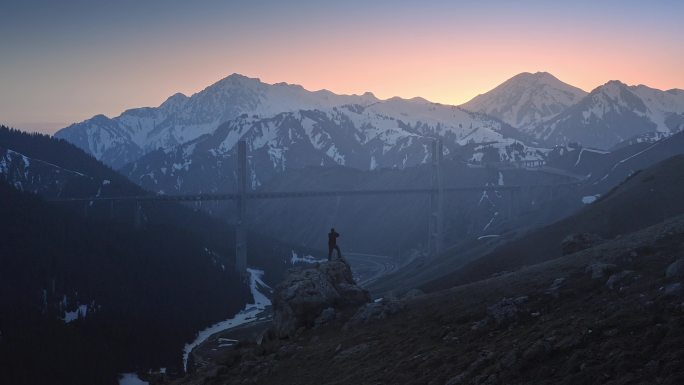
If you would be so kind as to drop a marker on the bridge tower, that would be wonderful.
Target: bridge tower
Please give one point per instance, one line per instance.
(240, 226)
(436, 219)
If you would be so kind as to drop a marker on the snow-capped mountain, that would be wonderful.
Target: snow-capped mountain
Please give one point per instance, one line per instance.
(526, 99)
(392, 133)
(615, 112)
(123, 139)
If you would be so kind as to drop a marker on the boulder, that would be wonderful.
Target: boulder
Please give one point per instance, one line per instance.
(327, 315)
(578, 242)
(676, 269)
(506, 309)
(618, 279)
(556, 285)
(674, 290)
(376, 311)
(412, 294)
(599, 270)
(309, 290)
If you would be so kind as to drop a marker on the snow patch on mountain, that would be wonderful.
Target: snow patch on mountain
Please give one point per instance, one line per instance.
(615, 113)
(180, 119)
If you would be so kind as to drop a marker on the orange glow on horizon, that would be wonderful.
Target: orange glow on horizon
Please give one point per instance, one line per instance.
(423, 55)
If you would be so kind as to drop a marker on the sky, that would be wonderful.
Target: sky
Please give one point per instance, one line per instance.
(65, 61)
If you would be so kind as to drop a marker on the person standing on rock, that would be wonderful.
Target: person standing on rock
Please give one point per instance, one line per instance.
(332, 243)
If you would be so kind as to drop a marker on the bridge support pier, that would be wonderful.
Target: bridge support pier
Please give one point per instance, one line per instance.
(139, 216)
(240, 226)
(436, 219)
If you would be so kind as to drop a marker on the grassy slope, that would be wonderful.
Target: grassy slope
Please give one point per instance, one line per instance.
(587, 333)
(646, 198)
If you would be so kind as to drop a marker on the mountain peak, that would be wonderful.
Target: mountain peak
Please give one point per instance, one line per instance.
(536, 78)
(238, 77)
(611, 87)
(615, 83)
(526, 99)
(535, 75)
(234, 80)
(177, 97)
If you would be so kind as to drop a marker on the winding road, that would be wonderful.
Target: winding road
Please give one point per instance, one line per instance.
(367, 268)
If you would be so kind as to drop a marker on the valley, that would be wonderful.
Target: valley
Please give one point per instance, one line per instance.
(531, 247)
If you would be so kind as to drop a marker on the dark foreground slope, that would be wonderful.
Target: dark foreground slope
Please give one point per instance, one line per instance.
(142, 293)
(612, 313)
(605, 315)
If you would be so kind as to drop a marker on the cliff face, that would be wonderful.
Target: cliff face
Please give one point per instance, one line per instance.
(314, 295)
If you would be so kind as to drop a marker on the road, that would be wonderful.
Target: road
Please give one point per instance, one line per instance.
(367, 268)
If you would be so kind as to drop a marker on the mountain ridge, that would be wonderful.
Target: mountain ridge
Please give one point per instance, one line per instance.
(538, 107)
(525, 99)
(615, 112)
(180, 118)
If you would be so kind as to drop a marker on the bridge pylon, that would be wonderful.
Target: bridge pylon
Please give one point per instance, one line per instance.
(240, 226)
(436, 219)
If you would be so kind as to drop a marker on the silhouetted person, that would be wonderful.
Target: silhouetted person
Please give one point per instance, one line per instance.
(332, 243)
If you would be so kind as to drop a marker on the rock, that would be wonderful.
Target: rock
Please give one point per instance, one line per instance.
(536, 351)
(360, 348)
(510, 358)
(413, 293)
(375, 311)
(676, 269)
(598, 270)
(287, 351)
(504, 310)
(309, 290)
(479, 324)
(555, 287)
(673, 290)
(215, 371)
(617, 278)
(578, 242)
(328, 314)
(456, 380)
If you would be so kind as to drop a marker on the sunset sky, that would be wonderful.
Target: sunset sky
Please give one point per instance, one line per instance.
(65, 61)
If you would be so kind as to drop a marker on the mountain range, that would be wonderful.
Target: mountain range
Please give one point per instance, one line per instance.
(289, 126)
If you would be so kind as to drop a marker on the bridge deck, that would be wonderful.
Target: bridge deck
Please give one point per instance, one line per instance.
(292, 194)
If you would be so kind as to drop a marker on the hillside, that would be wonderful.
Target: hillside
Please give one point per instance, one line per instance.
(54, 168)
(646, 198)
(610, 314)
(148, 278)
(102, 292)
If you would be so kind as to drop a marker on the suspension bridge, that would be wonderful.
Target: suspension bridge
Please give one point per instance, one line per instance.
(436, 193)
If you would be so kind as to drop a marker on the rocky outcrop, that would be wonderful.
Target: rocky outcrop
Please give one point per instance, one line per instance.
(376, 311)
(599, 269)
(315, 294)
(676, 269)
(578, 242)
